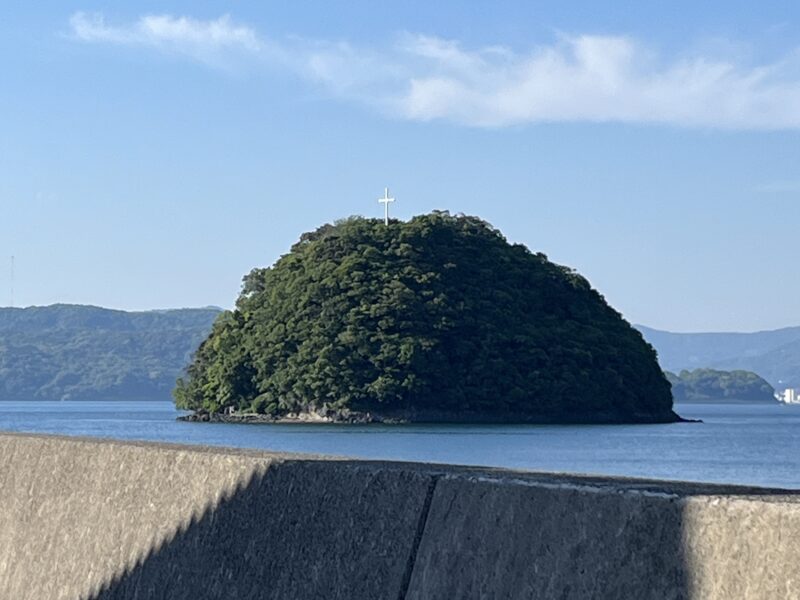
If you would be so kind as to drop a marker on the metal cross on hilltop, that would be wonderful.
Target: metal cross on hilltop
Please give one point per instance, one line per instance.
(385, 200)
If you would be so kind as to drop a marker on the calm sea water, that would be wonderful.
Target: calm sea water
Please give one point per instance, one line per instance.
(737, 443)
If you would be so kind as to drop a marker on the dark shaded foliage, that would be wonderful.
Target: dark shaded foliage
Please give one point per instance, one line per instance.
(440, 313)
(710, 384)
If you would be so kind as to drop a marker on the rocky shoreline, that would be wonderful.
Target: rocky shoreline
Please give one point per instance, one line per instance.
(345, 416)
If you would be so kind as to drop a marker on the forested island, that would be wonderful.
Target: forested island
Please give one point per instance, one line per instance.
(704, 385)
(436, 319)
(774, 355)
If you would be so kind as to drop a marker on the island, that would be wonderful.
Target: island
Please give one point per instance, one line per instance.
(711, 385)
(435, 319)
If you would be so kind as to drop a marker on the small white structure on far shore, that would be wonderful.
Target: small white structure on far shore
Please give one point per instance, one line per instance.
(789, 396)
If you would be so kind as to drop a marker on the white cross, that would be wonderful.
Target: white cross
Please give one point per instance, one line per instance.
(385, 200)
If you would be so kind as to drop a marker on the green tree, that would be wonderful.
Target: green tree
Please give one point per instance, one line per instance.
(438, 317)
(711, 384)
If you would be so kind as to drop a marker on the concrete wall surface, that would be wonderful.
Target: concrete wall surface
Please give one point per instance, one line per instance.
(93, 519)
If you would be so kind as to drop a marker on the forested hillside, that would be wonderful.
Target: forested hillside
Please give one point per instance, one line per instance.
(701, 385)
(774, 355)
(69, 352)
(438, 318)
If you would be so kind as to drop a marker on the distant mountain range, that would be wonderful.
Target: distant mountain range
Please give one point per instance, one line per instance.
(774, 355)
(74, 352)
(69, 352)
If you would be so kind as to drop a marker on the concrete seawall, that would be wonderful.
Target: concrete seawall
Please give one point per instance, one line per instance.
(96, 519)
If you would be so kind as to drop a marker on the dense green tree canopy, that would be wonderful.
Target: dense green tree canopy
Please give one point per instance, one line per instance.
(435, 318)
(709, 384)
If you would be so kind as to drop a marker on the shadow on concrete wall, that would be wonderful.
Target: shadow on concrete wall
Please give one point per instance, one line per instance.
(560, 540)
(597, 538)
(301, 530)
(323, 530)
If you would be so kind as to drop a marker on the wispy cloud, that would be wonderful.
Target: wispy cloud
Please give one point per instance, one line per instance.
(597, 78)
(206, 41)
(577, 78)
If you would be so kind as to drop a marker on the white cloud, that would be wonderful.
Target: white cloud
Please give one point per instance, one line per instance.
(597, 78)
(578, 78)
(203, 40)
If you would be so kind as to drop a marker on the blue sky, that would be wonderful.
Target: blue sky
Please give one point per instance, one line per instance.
(153, 153)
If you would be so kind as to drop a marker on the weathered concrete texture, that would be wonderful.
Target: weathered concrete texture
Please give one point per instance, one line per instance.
(109, 520)
(742, 547)
(87, 519)
(303, 530)
(498, 539)
(504, 537)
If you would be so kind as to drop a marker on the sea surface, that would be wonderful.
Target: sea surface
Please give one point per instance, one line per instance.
(753, 444)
